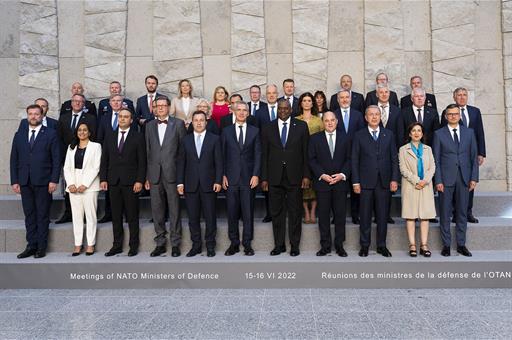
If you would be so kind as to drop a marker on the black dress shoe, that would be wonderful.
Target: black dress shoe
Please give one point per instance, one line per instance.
(445, 251)
(267, 219)
(89, 253)
(390, 220)
(210, 252)
(363, 252)
(356, 220)
(464, 251)
(159, 250)
(278, 250)
(322, 252)
(294, 252)
(433, 220)
(113, 251)
(151, 220)
(248, 251)
(75, 253)
(232, 250)
(64, 219)
(175, 252)
(40, 253)
(133, 252)
(341, 252)
(384, 251)
(194, 252)
(27, 253)
(472, 219)
(105, 219)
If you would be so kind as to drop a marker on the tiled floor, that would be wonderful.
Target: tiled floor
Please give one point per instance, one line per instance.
(256, 314)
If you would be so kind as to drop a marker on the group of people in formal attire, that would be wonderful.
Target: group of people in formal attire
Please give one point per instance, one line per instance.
(306, 156)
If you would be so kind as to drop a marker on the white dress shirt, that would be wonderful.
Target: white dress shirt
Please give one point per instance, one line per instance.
(466, 114)
(280, 126)
(244, 130)
(161, 130)
(334, 149)
(451, 132)
(119, 135)
(371, 133)
(422, 110)
(149, 100)
(37, 129)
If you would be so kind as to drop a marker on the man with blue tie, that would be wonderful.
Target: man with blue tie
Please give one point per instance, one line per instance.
(374, 174)
(357, 99)
(255, 104)
(350, 121)
(199, 178)
(104, 106)
(284, 173)
(35, 169)
(456, 156)
(241, 149)
(329, 159)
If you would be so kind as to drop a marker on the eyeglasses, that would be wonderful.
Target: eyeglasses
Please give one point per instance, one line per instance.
(161, 105)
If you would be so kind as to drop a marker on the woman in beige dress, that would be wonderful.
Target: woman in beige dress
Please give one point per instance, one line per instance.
(417, 167)
(185, 103)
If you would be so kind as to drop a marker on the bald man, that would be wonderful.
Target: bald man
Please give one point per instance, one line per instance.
(77, 88)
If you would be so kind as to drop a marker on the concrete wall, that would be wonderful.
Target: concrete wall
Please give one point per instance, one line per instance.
(48, 44)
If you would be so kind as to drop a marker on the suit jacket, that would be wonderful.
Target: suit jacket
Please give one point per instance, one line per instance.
(211, 126)
(50, 123)
(263, 107)
(449, 158)
(293, 156)
(295, 106)
(89, 108)
(430, 122)
(162, 159)
(142, 109)
(241, 164)
(357, 102)
(105, 126)
(475, 123)
(395, 123)
(228, 121)
(65, 132)
(371, 159)
(430, 101)
(371, 98)
(89, 175)
(104, 107)
(127, 167)
(38, 166)
(200, 173)
(321, 162)
(178, 111)
(356, 122)
(263, 115)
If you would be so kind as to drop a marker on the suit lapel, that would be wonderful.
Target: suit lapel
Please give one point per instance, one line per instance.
(168, 131)
(40, 136)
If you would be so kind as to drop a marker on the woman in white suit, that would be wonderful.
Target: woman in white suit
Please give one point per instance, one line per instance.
(81, 172)
(185, 103)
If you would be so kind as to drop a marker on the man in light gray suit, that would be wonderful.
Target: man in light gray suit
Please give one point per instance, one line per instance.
(455, 154)
(163, 140)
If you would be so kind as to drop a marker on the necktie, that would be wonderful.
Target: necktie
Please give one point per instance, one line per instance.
(331, 145)
(273, 113)
(73, 123)
(241, 137)
(151, 103)
(115, 124)
(121, 142)
(253, 109)
(374, 134)
(162, 121)
(199, 145)
(455, 137)
(283, 134)
(345, 120)
(384, 116)
(420, 118)
(32, 139)
(464, 120)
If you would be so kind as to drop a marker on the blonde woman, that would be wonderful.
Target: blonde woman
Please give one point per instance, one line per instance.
(185, 103)
(220, 104)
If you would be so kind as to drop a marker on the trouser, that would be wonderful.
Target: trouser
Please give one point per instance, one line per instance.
(333, 200)
(378, 196)
(123, 197)
(36, 203)
(240, 201)
(84, 203)
(164, 197)
(204, 202)
(456, 196)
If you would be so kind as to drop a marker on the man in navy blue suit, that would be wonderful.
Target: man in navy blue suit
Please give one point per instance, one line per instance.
(329, 159)
(371, 97)
(199, 178)
(104, 107)
(456, 156)
(255, 104)
(349, 122)
(35, 169)
(144, 109)
(420, 112)
(47, 121)
(241, 149)
(288, 91)
(374, 174)
(417, 82)
(67, 106)
(357, 99)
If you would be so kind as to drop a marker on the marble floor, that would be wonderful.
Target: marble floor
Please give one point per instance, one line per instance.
(256, 314)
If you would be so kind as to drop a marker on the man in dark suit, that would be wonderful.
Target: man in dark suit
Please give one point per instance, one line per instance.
(67, 106)
(350, 121)
(241, 149)
(255, 104)
(288, 90)
(357, 99)
(67, 124)
(104, 107)
(374, 174)
(329, 159)
(284, 173)
(35, 169)
(456, 156)
(199, 179)
(230, 119)
(123, 172)
(421, 113)
(144, 110)
(47, 121)
(416, 82)
(163, 141)
(371, 97)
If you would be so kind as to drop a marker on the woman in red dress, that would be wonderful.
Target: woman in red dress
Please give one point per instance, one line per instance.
(220, 104)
